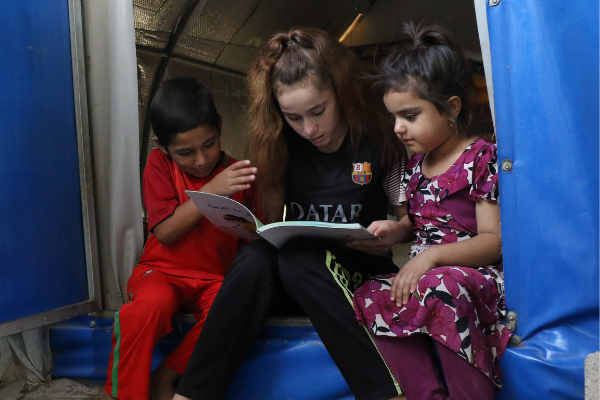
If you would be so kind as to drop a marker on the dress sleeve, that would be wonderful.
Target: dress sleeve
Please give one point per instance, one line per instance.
(160, 195)
(393, 186)
(485, 174)
(409, 171)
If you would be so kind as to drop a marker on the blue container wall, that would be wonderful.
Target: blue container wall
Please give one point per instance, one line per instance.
(42, 256)
(545, 72)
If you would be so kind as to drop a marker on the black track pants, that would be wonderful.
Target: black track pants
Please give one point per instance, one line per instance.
(321, 281)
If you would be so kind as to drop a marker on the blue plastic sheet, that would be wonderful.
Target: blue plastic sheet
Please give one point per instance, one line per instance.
(545, 72)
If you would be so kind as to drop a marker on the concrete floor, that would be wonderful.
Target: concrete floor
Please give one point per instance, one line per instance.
(60, 389)
(592, 374)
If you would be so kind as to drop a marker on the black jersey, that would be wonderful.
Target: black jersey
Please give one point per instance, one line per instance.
(343, 187)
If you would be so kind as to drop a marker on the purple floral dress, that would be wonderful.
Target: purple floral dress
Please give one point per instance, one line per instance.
(459, 307)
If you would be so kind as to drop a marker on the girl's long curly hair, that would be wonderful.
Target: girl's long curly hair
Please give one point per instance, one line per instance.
(287, 59)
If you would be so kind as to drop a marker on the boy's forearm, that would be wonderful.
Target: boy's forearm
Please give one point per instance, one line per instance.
(178, 224)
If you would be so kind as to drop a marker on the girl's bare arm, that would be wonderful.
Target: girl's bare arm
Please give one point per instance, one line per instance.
(483, 249)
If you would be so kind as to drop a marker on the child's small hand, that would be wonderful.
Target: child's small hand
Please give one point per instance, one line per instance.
(238, 176)
(385, 232)
(405, 282)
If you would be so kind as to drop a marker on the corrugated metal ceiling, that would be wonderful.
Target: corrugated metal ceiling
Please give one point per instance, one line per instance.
(224, 35)
(227, 33)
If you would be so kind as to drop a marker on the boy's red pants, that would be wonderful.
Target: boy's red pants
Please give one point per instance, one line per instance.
(155, 298)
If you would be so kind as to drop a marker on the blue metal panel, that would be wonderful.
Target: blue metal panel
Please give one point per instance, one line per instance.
(42, 256)
(545, 72)
(285, 363)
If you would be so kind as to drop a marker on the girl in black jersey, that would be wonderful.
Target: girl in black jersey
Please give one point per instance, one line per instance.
(323, 150)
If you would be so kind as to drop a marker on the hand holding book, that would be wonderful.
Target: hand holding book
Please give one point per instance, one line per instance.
(234, 218)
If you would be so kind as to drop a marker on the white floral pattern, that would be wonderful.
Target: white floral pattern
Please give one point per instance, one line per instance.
(459, 307)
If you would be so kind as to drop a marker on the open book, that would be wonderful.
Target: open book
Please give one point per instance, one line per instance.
(234, 218)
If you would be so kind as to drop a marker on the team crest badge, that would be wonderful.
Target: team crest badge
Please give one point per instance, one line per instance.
(361, 173)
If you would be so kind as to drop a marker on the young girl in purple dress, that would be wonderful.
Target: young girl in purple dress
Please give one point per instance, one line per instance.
(450, 294)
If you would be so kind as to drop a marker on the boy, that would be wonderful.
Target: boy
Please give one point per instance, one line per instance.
(185, 257)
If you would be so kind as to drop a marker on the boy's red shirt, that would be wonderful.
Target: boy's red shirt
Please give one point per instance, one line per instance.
(205, 251)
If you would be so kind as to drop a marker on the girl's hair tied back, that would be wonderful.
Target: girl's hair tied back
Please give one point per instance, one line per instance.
(434, 69)
(424, 35)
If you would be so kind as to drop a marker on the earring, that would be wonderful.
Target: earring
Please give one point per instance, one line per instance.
(451, 124)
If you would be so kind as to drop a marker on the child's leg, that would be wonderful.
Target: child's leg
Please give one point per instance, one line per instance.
(203, 293)
(162, 383)
(410, 360)
(465, 382)
(234, 322)
(138, 326)
(319, 282)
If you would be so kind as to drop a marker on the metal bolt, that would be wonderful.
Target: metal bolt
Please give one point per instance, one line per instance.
(507, 165)
(92, 324)
(513, 319)
(494, 2)
(515, 340)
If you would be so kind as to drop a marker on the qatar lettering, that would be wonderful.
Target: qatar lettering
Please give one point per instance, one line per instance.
(339, 215)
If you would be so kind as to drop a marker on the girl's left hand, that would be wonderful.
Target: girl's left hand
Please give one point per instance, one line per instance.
(405, 282)
(386, 234)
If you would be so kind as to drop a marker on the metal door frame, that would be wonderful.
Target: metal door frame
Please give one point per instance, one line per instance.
(94, 302)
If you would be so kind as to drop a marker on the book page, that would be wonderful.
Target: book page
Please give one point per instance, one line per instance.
(227, 214)
(280, 232)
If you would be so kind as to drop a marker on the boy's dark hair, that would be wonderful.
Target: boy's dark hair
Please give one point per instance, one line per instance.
(181, 105)
(434, 68)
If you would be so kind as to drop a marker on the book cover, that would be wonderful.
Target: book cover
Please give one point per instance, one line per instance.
(236, 219)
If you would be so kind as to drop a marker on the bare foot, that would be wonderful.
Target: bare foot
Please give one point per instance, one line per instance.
(162, 383)
(106, 396)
